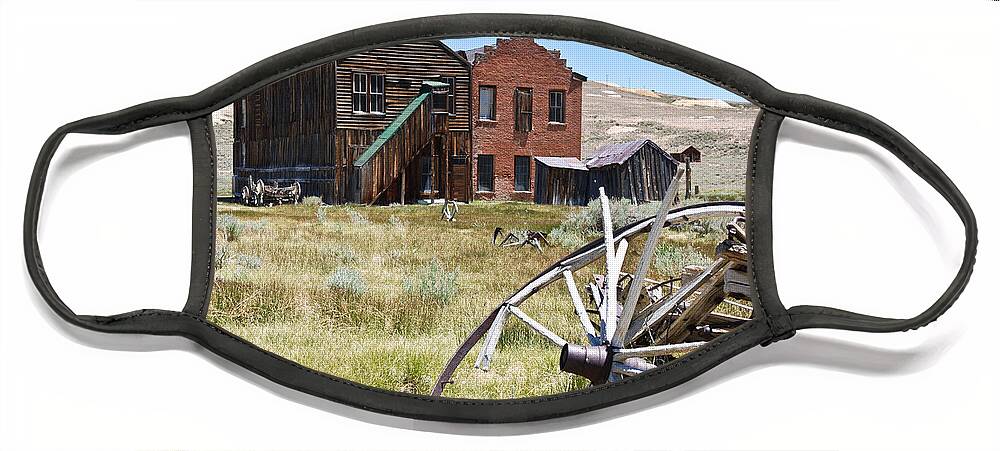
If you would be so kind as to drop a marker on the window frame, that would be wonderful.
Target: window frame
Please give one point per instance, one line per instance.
(358, 96)
(561, 108)
(527, 175)
(493, 103)
(450, 100)
(373, 96)
(520, 111)
(479, 173)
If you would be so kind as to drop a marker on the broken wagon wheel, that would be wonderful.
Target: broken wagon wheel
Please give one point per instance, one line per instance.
(449, 210)
(623, 342)
(245, 193)
(258, 192)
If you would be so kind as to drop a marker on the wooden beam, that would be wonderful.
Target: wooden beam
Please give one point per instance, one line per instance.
(665, 306)
(702, 303)
(635, 287)
(581, 310)
(538, 327)
(631, 367)
(492, 338)
(658, 350)
(609, 313)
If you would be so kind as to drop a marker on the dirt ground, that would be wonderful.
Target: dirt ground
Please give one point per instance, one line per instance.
(612, 114)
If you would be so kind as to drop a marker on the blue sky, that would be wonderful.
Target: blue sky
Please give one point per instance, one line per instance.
(601, 64)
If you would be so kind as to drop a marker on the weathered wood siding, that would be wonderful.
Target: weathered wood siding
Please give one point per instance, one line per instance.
(303, 129)
(645, 177)
(379, 172)
(561, 186)
(406, 67)
(284, 131)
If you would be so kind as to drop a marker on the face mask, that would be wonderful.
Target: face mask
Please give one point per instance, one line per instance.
(486, 218)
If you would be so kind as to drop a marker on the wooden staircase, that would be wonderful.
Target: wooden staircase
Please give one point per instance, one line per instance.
(384, 161)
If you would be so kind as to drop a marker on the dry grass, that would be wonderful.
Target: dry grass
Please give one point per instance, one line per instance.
(384, 295)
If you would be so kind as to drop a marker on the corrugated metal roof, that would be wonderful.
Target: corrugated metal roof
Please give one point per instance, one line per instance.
(563, 162)
(617, 153)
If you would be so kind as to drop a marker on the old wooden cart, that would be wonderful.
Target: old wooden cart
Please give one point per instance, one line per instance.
(632, 323)
(256, 193)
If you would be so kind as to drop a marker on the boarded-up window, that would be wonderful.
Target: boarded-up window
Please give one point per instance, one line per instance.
(557, 107)
(484, 173)
(522, 173)
(487, 102)
(450, 81)
(359, 93)
(376, 93)
(522, 109)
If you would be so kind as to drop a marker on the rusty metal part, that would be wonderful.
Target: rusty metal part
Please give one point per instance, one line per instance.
(591, 362)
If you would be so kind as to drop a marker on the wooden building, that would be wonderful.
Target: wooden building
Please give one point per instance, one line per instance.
(390, 124)
(691, 155)
(637, 170)
(562, 181)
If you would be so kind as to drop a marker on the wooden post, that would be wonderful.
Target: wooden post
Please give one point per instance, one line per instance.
(402, 187)
(687, 175)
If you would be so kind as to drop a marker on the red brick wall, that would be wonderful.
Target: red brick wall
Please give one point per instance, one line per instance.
(521, 63)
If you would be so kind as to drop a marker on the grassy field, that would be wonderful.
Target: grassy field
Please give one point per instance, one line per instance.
(384, 295)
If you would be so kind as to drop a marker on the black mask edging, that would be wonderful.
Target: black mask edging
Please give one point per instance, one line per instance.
(773, 322)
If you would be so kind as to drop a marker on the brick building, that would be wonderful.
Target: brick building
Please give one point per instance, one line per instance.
(526, 103)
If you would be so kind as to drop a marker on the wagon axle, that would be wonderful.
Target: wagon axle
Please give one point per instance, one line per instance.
(642, 322)
(591, 362)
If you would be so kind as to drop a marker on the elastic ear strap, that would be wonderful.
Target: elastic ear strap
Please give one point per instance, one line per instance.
(852, 121)
(126, 322)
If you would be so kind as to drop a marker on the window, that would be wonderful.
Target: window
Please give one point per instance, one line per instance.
(368, 93)
(522, 109)
(557, 107)
(359, 93)
(522, 173)
(487, 103)
(450, 81)
(426, 175)
(376, 93)
(484, 173)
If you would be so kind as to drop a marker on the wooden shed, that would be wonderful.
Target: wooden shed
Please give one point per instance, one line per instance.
(637, 170)
(562, 181)
(391, 124)
(691, 154)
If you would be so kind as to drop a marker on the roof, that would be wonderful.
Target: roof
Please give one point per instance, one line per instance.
(563, 162)
(470, 55)
(619, 153)
(457, 55)
(391, 129)
(616, 153)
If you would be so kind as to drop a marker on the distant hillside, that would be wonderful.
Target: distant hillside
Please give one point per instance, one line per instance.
(721, 130)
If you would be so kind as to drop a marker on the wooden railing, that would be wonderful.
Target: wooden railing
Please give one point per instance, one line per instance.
(387, 157)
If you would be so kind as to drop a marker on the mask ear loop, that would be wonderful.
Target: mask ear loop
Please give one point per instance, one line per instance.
(846, 119)
(149, 321)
